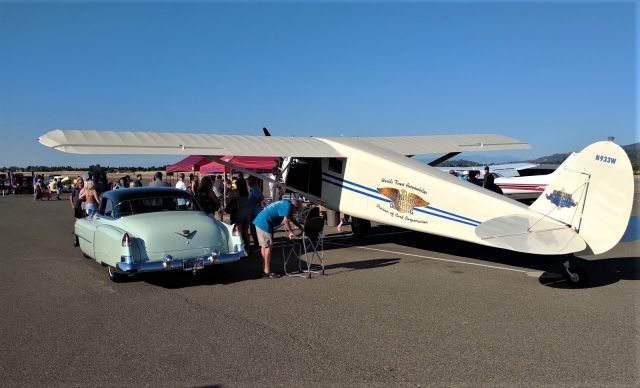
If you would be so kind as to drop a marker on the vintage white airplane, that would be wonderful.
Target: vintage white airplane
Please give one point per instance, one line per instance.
(586, 207)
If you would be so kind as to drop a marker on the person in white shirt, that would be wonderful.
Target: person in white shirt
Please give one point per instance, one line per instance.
(180, 183)
(182, 186)
(273, 189)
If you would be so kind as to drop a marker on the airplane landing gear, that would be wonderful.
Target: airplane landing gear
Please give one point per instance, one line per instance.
(360, 227)
(575, 276)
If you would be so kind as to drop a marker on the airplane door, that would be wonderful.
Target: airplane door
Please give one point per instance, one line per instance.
(333, 192)
(305, 175)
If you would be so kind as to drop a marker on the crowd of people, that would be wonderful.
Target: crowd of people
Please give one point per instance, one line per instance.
(42, 190)
(471, 176)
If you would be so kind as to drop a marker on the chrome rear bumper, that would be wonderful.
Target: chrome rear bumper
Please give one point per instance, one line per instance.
(187, 264)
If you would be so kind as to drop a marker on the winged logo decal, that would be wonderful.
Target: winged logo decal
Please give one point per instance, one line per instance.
(401, 200)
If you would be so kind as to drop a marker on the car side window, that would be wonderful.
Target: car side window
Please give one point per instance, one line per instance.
(123, 209)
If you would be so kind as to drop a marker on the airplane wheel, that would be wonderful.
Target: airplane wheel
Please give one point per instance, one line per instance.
(360, 227)
(115, 276)
(578, 278)
(76, 241)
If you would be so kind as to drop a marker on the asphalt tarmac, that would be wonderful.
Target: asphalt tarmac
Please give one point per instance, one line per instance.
(397, 309)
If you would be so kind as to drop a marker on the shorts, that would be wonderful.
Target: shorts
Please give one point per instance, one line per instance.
(90, 208)
(264, 239)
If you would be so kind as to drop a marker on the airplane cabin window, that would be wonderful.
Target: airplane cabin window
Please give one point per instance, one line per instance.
(335, 165)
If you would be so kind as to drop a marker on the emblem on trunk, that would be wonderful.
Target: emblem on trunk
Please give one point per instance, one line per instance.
(187, 233)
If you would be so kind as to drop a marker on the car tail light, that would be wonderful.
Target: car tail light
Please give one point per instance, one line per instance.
(236, 230)
(126, 240)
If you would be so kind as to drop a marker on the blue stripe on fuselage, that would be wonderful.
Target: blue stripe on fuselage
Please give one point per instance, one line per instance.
(426, 210)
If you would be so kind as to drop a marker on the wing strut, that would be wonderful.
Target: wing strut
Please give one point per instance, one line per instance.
(443, 158)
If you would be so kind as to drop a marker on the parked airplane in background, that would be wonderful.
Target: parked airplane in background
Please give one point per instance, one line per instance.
(509, 170)
(586, 206)
(520, 181)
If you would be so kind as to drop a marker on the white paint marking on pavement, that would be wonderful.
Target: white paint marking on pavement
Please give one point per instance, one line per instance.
(350, 235)
(429, 257)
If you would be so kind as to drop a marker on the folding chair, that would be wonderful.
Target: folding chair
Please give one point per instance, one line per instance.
(310, 247)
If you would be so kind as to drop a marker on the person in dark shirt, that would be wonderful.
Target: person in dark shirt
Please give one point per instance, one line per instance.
(473, 178)
(208, 201)
(75, 195)
(101, 183)
(158, 182)
(489, 184)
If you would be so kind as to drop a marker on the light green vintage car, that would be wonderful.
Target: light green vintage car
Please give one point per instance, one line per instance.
(155, 229)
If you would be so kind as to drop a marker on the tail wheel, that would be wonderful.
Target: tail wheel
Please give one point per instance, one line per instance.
(360, 227)
(115, 276)
(577, 276)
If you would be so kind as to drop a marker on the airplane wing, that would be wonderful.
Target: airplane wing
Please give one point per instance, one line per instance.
(165, 143)
(435, 144)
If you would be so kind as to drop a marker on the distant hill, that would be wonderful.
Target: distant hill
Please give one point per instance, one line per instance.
(551, 159)
(633, 151)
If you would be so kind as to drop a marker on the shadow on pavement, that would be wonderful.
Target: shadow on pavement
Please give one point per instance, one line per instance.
(601, 272)
(249, 268)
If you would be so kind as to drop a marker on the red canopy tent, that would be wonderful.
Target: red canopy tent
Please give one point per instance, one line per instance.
(253, 163)
(190, 163)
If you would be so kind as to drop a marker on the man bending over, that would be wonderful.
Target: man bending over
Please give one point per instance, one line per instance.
(267, 220)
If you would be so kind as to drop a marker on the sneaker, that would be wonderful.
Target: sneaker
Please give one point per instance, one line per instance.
(270, 275)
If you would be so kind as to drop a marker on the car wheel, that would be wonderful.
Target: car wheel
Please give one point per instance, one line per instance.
(115, 276)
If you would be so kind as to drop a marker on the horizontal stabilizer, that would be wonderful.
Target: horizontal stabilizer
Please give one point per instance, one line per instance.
(530, 234)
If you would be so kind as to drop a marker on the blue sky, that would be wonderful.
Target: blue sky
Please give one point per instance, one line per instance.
(557, 75)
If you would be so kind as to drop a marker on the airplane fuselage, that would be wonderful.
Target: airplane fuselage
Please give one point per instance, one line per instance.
(388, 188)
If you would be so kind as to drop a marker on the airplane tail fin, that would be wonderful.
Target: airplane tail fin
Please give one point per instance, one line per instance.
(593, 192)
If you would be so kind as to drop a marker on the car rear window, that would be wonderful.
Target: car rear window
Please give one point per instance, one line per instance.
(155, 204)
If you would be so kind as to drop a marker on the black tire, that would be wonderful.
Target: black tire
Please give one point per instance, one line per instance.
(115, 276)
(581, 278)
(360, 227)
(76, 241)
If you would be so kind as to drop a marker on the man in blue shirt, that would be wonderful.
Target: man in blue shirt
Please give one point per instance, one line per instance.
(268, 219)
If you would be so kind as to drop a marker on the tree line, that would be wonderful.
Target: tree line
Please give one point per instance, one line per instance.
(92, 167)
